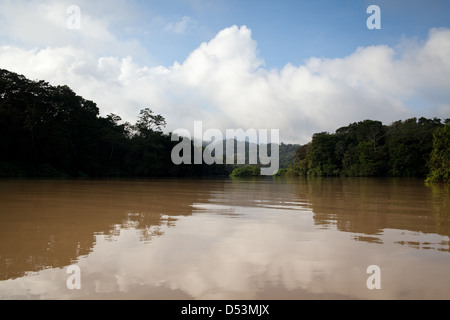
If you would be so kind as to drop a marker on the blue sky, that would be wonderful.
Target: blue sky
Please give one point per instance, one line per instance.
(288, 31)
(299, 66)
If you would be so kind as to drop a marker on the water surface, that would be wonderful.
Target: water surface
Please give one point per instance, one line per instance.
(224, 239)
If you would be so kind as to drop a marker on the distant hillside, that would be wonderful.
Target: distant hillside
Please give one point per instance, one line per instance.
(286, 151)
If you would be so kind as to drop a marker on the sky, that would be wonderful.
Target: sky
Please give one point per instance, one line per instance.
(298, 66)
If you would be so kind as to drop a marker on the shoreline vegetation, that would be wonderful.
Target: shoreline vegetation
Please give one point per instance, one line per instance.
(410, 148)
(48, 131)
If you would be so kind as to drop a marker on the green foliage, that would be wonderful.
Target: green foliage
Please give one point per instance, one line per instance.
(439, 163)
(246, 171)
(149, 123)
(368, 148)
(299, 166)
(360, 149)
(321, 159)
(286, 154)
(48, 131)
(281, 172)
(409, 144)
(8, 170)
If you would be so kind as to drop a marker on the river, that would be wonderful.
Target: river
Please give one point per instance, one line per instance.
(268, 238)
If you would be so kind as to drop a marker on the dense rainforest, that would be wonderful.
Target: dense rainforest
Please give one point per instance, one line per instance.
(50, 131)
(410, 148)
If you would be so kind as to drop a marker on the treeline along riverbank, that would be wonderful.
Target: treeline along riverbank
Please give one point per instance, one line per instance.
(410, 148)
(50, 131)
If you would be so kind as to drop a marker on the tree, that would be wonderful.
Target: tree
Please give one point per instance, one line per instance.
(360, 148)
(51, 131)
(299, 165)
(439, 162)
(409, 144)
(246, 171)
(149, 122)
(321, 159)
(368, 148)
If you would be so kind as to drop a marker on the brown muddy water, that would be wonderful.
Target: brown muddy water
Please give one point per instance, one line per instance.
(224, 239)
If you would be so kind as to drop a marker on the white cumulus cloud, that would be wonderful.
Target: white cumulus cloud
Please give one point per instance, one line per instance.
(225, 84)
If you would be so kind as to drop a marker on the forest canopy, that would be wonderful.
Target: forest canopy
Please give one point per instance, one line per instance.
(50, 131)
(410, 148)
